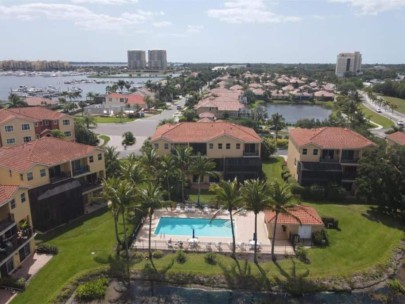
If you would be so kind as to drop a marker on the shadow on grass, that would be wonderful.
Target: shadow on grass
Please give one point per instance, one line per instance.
(295, 283)
(274, 160)
(239, 275)
(387, 218)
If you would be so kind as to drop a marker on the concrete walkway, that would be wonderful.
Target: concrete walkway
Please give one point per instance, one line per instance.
(141, 128)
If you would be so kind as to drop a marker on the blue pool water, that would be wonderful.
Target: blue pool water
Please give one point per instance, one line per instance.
(202, 227)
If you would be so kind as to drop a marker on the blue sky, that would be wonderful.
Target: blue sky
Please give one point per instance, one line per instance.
(270, 31)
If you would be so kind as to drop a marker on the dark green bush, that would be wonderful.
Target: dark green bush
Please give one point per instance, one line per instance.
(92, 290)
(335, 192)
(181, 257)
(211, 258)
(330, 222)
(47, 249)
(157, 254)
(396, 286)
(18, 284)
(302, 254)
(319, 238)
(315, 192)
(297, 189)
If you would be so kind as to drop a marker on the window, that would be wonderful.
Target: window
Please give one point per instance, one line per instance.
(46, 122)
(9, 128)
(220, 146)
(10, 140)
(156, 146)
(166, 146)
(25, 126)
(91, 159)
(27, 139)
(315, 152)
(211, 146)
(12, 204)
(42, 172)
(238, 146)
(23, 198)
(228, 146)
(68, 133)
(30, 176)
(100, 156)
(304, 151)
(66, 122)
(22, 177)
(55, 122)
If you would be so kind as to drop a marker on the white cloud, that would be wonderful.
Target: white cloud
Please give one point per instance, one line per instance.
(194, 29)
(248, 11)
(108, 2)
(373, 7)
(80, 16)
(162, 24)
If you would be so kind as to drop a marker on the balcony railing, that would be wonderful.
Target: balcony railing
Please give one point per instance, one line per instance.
(60, 177)
(90, 187)
(349, 160)
(329, 160)
(5, 225)
(8, 246)
(81, 170)
(250, 153)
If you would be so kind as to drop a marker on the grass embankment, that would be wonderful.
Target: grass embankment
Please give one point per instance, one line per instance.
(105, 140)
(397, 101)
(376, 118)
(272, 169)
(83, 246)
(108, 119)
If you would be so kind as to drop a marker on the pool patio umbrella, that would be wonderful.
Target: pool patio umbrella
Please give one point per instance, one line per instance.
(193, 233)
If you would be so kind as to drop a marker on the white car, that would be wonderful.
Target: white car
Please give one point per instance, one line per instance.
(379, 110)
(400, 122)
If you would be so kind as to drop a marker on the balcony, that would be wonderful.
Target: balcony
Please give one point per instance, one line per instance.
(349, 160)
(329, 160)
(62, 176)
(6, 225)
(10, 245)
(91, 187)
(81, 170)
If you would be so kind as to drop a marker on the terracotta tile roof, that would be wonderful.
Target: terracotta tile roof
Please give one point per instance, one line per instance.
(203, 132)
(48, 151)
(306, 214)
(397, 137)
(36, 113)
(7, 192)
(324, 94)
(206, 115)
(136, 99)
(236, 87)
(39, 101)
(330, 138)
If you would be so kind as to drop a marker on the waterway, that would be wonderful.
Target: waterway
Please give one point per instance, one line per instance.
(154, 292)
(294, 112)
(94, 85)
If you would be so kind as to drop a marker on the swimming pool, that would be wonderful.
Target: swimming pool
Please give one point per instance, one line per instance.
(202, 227)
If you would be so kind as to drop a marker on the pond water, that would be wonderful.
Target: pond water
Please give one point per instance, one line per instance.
(294, 112)
(153, 292)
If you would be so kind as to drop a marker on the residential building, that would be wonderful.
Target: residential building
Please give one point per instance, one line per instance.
(136, 60)
(126, 100)
(21, 125)
(397, 138)
(325, 155)
(235, 149)
(348, 62)
(16, 234)
(61, 177)
(40, 102)
(157, 59)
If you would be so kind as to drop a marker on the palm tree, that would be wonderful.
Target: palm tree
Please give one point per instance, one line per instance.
(168, 170)
(112, 164)
(278, 122)
(151, 199)
(201, 166)
(281, 202)
(182, 156)
(82, 105)
(133, 170)
(227, 193)
(150, 161)
(15, 101)
(89, 120)
(256, 195)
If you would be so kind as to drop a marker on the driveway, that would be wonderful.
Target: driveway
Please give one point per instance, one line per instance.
(141, 128)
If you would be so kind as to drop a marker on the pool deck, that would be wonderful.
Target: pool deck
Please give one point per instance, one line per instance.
(244, 229)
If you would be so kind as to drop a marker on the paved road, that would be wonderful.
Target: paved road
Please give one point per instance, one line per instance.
(141, 128)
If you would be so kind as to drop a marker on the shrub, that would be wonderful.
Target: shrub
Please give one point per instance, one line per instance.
(319, 238)
(18, 284)
(330, 222)
(297, 189)
(334, 192)
(157, 254)
(315, 192)
(93, 290)
(302, 254)
(396, 286)
(211, 258)
(181, 257)
(47, 249)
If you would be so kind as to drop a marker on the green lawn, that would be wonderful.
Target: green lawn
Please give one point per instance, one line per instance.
(360, 245)
(76, 248)
(272, 168)
(397, 101)
(375, 117)
(107, 119)
(105, 140)
(205, 196)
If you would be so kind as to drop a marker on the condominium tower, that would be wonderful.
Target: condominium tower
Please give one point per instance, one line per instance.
(348, 62)
(157, 59)
(136, 60)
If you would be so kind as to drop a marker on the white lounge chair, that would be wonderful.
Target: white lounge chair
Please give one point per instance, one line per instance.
(206, 210)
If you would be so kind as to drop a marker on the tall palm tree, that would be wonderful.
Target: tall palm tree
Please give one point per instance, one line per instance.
(182, 156)
(167, 171)
(150, 161)
(281, 203)
(112, 164)
(227, 193)
(278, 122)
(151, 199)
(133, 170)
(201, 166)
(89, 120)
(15, 101)
(256, 195)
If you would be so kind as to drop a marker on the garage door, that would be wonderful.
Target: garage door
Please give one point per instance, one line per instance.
(305, 231)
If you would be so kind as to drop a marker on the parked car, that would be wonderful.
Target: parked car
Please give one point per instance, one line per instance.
(178, 107)
(379, 110)
(400, 122)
